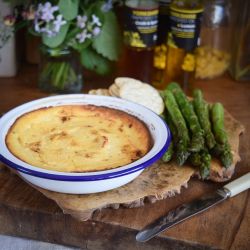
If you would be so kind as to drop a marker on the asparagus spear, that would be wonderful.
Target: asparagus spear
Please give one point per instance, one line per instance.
(202, 160)
(220, 134)
(170, 152)
(223, 147)
(202, 111)
(205, 164)
(195, 159)
(226, 156)
(172, 128)
(179, 122)
(173, 86)
(197, 139)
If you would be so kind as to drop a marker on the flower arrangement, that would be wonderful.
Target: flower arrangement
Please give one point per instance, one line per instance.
(86, 27)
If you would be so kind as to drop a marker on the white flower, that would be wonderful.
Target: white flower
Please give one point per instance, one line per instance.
(81, 21)
(40, 28)
(43, 17)
(40, 7)
(38, 23)
(107, 6)
(58, 23)
(37, 26)
(96, 31)
(83, 36)
(46, 11)
(96, 20)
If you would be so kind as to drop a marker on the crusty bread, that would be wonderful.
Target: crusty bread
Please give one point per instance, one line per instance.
(78, 138)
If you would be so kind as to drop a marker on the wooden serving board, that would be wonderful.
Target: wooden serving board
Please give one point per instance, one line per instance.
(159, 181)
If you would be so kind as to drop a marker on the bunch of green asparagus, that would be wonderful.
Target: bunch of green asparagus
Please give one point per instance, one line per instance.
(197, 129)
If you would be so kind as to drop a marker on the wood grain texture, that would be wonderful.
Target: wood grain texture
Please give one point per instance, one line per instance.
(26, 212)
(239, 241)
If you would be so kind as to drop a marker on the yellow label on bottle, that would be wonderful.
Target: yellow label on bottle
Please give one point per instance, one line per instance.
(188, 63)
(140, 27)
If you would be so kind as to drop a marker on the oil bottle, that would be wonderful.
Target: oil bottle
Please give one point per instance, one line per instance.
(140, 20)
(160, 49)
(185, 21)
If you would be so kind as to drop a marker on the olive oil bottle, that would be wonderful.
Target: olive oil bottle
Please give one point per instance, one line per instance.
(185, 21)
(160, 49)
(140, 20)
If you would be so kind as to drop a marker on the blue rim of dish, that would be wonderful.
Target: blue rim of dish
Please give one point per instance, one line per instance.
(97, 177)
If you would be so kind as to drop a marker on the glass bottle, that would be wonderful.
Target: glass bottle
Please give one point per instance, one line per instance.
(213, 54)
(160, 49)
(59, 71)
(185, 19)
(240, 50)
(140, 19)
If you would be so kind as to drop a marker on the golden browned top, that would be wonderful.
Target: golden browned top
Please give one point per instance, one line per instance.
(78, 138)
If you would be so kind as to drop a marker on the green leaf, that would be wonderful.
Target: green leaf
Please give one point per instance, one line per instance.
(68, 8)
(108, 43)
(81, 46)
(57, 40)
(95, 62)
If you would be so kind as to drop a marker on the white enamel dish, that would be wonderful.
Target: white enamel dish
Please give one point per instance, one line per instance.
(92, 182)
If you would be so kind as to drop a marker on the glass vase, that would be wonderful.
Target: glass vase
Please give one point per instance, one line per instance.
(59, 71)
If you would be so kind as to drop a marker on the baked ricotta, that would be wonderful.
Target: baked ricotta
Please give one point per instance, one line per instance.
(78, 138)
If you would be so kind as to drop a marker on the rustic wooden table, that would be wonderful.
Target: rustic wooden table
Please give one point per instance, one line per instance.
(27, 213)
